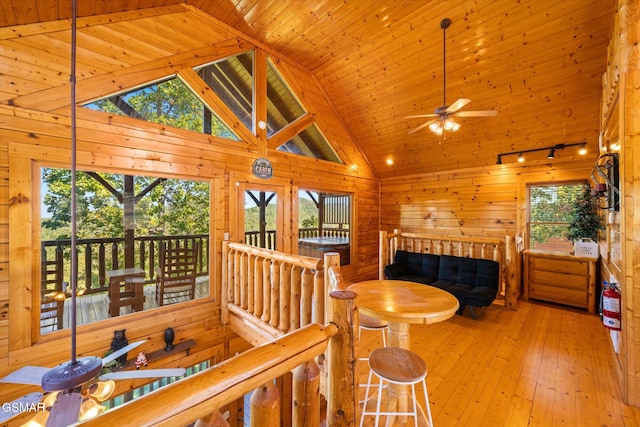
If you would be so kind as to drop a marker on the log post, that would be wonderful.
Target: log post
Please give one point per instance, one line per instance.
(224, 312)
(214, 419)
(306, 395)
(512, 279)
(342, 380)
(265, 406)
(384, 254)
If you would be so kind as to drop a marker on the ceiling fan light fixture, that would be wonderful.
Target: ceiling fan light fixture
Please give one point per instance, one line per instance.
(436, 128)
(102, 390)
(89, 409)
(451, 125)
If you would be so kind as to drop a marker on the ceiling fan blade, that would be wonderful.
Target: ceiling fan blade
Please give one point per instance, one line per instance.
(422, 126)
(479, 113)
(457, 105)
(65, 410)
(113, 356)
(419, 116)
(11, 409)
(146, 373)
(26, 375)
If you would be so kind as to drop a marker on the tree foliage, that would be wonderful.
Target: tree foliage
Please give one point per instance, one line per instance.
(584, 220)
(549, 208)
(174, 207)
(170, 103)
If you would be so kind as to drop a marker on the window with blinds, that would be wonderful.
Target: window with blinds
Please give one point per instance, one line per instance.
(548, 209)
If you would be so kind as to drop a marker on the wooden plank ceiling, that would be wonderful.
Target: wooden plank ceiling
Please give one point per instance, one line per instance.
(539, 64)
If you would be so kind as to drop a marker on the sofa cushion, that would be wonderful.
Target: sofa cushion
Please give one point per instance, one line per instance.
(487, 273)
(448, 269)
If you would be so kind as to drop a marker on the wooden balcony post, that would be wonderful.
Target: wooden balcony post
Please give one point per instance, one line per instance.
(306, 395)
(342, 379)
(214, 419)
(384, 254)
(512, 285)
(265, 406)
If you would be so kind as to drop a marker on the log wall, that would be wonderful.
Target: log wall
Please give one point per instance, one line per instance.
(35, 130)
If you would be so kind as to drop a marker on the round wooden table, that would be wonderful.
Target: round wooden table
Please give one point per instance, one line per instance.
(402, 303)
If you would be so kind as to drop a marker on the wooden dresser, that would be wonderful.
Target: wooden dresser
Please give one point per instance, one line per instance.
(560, 278)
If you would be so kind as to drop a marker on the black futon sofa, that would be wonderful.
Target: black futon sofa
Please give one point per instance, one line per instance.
(474, 282)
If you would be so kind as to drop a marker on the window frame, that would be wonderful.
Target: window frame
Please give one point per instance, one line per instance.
(529, 186)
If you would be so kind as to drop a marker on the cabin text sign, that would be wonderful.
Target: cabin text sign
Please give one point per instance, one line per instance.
(262, 168)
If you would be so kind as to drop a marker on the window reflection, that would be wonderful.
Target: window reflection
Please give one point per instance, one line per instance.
(123, 221)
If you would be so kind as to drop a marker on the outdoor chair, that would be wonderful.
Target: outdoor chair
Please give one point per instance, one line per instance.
(176, 275)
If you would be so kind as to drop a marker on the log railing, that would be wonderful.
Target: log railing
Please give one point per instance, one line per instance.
(256, 284)
(200, 396)
(502, 251)
(267, 293)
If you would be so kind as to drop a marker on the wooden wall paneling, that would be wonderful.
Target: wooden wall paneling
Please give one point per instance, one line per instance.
(91, 88)
(21, 260)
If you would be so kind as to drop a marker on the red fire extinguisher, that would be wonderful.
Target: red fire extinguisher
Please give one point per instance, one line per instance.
(611, 314)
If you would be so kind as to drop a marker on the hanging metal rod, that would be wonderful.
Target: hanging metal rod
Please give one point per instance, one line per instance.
(551, 149)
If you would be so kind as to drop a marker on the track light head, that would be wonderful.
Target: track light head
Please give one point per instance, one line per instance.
(499, 160)
(552, 153)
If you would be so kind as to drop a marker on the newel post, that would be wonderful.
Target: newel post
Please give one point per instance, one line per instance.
(306, 395)
(342, 379)
(512, 285)
(265, 406)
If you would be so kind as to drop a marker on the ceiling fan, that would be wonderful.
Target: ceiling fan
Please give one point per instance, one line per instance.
(71, 384)
(442, 119)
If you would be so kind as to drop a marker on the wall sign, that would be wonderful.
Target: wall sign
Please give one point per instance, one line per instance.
(262, 168)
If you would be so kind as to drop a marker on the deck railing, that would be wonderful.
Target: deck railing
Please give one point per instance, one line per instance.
(97, 256)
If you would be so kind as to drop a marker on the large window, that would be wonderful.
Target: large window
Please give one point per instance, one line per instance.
(123, 222)
(549, 207)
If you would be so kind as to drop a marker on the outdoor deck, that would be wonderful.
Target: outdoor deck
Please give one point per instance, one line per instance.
(95, 307)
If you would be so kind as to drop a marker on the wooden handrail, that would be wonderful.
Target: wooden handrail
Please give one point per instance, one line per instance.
(197, 396)
(269, 293)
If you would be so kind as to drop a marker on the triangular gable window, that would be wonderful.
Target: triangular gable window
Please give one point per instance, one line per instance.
(283, 108)
(232, 80)
(311, 143)
(169, 102)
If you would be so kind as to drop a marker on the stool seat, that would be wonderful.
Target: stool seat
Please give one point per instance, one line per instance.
(368, 322)
(397, 365)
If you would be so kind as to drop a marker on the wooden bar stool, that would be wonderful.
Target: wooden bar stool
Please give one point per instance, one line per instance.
(398, 366)
(368, 323)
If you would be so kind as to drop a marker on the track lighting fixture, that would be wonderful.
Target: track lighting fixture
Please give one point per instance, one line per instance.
(552, 151)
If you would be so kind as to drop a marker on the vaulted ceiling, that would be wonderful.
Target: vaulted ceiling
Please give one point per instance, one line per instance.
(539, 64)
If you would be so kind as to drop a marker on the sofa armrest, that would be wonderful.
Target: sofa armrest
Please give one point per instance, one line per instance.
(394, 270)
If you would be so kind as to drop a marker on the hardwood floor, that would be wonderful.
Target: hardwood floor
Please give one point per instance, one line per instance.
(541, 365)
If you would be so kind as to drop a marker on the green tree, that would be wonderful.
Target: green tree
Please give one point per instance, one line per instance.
(170, 103)
(584, 221)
